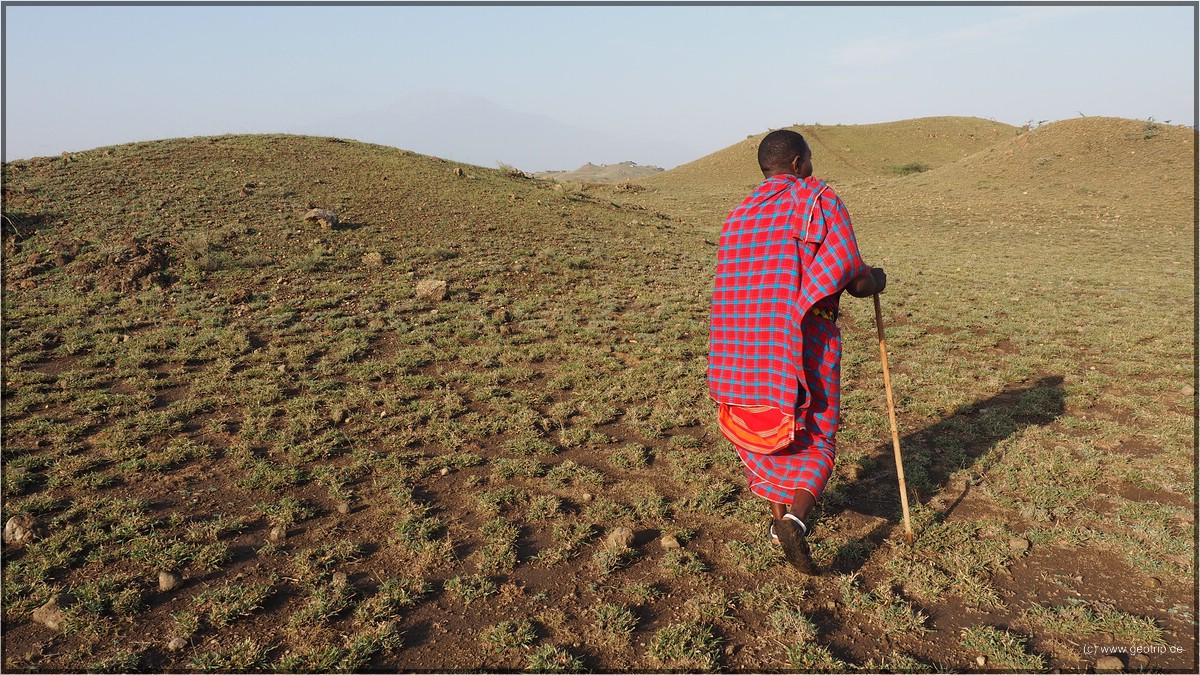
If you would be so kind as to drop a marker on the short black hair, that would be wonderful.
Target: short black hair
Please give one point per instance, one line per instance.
(778, 148)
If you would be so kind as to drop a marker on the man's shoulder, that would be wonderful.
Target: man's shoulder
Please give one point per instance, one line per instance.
(813, 191)
(757, 214)
(816, 186)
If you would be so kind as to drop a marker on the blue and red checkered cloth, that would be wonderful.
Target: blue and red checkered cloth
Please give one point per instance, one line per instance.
(789, 247)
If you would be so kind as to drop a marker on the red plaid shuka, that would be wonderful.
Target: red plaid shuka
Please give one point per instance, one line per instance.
(787, 249)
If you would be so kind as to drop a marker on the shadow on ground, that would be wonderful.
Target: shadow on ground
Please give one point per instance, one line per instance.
(933, 453)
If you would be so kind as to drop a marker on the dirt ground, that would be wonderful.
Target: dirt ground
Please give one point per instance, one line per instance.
(350, 477)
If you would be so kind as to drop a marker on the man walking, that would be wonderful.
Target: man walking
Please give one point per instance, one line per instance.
(785, 256)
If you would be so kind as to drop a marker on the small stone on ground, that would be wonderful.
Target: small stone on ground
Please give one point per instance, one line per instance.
(433, 290)
(323, 217)
(50, 614)
(621, 537)
(21, 529)
(168, 581)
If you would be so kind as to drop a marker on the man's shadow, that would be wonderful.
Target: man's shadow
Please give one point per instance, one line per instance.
(932, 454)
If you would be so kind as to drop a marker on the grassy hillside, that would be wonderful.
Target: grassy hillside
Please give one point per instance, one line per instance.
(1089, 170)
(189, 364)
(346, 474)
(843, 155)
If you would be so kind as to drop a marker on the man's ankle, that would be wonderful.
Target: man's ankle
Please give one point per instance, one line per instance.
(798, 521)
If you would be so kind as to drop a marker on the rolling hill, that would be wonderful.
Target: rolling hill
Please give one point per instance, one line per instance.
(1076, 169)
(467, 427)
(843, 155)
(1081, 167)
(850, 153)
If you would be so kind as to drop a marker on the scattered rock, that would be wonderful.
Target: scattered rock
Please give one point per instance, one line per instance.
(1018, 545)
(1153, 582)
(343, 507)
(50, 614)
(168, 581)
(323, 217)
(981, 660)
(1188, 391)
(21, 529)
(586, 497)
(176, 644)
(277, 535)
(444, 471)
(137, 265)
(1139, 661)
(621, 537)
(1109, 664)
(433, 290)
(831, 605)
(669, 542)
(458, 171)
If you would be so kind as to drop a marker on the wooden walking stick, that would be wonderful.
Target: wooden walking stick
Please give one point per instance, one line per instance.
(887, 385)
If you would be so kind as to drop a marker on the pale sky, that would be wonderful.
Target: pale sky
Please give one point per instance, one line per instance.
(705, 77)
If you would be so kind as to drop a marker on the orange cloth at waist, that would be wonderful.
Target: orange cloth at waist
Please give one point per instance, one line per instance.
(759, 428)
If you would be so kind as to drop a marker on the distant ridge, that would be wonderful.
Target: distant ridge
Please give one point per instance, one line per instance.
(603, 173)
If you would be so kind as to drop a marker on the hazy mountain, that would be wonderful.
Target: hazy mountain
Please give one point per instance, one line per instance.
(478, 131)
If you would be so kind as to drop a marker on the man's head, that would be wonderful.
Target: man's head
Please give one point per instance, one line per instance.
(784, 152)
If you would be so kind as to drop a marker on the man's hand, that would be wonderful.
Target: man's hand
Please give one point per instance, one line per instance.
(870, 282)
